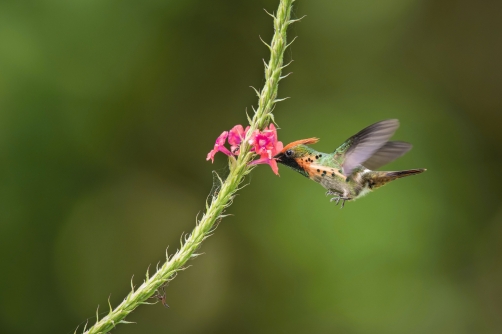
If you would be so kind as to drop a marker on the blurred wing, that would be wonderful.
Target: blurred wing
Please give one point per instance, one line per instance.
(387, 153)
(365, 143)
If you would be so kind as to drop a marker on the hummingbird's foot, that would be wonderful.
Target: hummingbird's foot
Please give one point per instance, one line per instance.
(339, 198)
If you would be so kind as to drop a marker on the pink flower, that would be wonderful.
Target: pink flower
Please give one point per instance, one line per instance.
(218, 146)
(235, 137)
(266, 145)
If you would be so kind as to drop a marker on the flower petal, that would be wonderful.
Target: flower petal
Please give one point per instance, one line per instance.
(210, 155)
(273, 165)
(278, 147)
(225, 150)
(259, 161)
(236, 135)
(218, 146)
(221, 138)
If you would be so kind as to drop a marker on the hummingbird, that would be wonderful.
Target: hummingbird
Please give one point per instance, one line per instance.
(349, 172)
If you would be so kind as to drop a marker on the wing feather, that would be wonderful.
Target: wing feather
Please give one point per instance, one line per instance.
(366, 142)
(390, 151)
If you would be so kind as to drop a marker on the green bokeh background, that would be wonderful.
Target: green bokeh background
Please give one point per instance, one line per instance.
(107, 112)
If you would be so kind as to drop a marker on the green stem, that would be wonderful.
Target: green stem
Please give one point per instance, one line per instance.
(223, 197)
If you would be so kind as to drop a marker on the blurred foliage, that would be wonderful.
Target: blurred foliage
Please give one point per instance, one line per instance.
(108, 109)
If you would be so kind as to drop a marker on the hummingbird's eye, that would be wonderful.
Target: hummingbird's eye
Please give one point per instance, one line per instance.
(289, 153)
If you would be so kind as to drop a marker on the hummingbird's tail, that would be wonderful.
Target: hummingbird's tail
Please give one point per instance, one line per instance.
(377, 179)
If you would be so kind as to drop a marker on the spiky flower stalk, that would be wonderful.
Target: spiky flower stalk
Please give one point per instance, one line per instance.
(222, 198)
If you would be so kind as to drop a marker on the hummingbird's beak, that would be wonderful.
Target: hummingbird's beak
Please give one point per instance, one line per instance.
(277, 157)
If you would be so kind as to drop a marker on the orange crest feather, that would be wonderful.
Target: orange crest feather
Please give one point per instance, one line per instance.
(307, 141)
